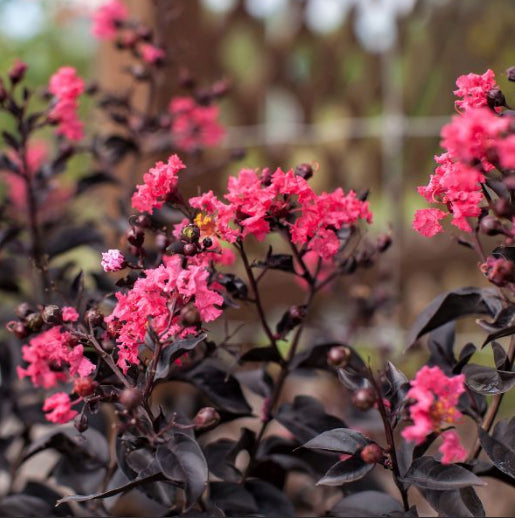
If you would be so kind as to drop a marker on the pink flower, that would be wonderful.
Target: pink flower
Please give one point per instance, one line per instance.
(66, 86)
(48, 350)
(451, 448)
(473, 89)
(152, 54)
(469, 136)
(113, 260)
(70, 314)
(150, 300)
(435, 399)
(107, 18)
(506, 152)
(427, 221)
(194, 126)
(59, 408)
(159, 183)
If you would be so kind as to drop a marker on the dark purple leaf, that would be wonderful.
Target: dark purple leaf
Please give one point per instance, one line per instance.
(270, 500)
(341, 440)
(366, 503)
(458, 502)
(345, 471)
(261, 354)
(488, 381)
(498, 452)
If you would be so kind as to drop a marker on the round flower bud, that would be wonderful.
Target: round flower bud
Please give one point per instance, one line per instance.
(372, 453)
(207, 242)
(490, 226)
(18, 329)
(297, 314)
(304, 171)
(510, 73)
(206, 417)
(135, 237)
(81, 423)
(17, 72)
(339, 356)
(94, 318)
(190, 315)
(364, 398)
(190, 249)
(190, 233)
(84, 387)
(23, 310)
(130, 398)
(495, 98)
(34, 322)
(503, 208)
(143, 221)
(52, 314)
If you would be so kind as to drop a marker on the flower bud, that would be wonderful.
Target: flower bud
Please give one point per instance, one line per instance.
(372, 453)
(113, 328)
(510, 73)
(143, 221)
(84, 387)
(130, 398)
(190, 233)
(297, 314)
(207, 242)
(17, 72)
(81, 423)
(206, 417)
(364, 398)
(34, 322)
(339, 356)
(23, 310)
(503, 208)
(18, 329)
(490, 226)
(304, 171)
(190, 249)
(52, 314)
(190, 315)
(135, 237)
(94, 318)
(495, 98)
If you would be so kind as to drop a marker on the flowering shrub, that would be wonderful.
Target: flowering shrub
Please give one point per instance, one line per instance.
(112, 355)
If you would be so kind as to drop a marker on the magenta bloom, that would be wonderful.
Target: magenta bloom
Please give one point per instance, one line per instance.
(473, 89)
(152, 54)
(113, 260)
(66, 86)
(159, 183)
(59, 408)
(70, 314)
(435, 399)
(194, 126)
(451, 448)
(107, 18)
(427, 221)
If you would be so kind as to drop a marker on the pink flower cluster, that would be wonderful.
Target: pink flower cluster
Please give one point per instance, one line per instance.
(473, 89)
(159, 183)
(54, 356)
(151, 54)
(259, 202)
(112, 260)
(193, 126)
(476, 141)
(108, 17)
(66, 86)
(435, 399)
(156, 300)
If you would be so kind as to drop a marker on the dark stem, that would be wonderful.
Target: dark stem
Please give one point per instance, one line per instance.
(493, 409)
(390, 440)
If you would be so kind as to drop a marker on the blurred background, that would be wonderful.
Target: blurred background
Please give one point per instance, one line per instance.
(360, 87)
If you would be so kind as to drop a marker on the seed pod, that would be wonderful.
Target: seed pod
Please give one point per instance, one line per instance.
(94, 318)
(206, 417)
(364, 398)
(34, 322)
(339, 356)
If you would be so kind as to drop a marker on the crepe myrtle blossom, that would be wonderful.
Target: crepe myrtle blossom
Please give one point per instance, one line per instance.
(58, 408)
(258, 202)
(158, 184)
(435, 397)
(155, 299)
(66, 87)
(194, 126)
(107, 19)
(70, 314)
(113, 260)
(473, 89)
(151, 54)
